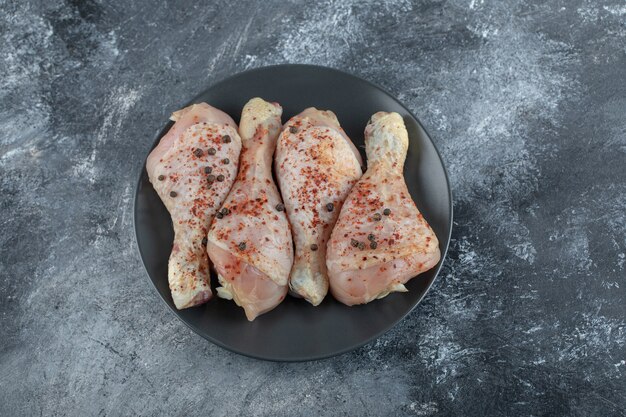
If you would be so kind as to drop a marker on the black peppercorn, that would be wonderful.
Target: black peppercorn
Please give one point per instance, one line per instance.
(280, 207)
(208, 170)
(242, 246)
(226, 139)
(293, 129)
(211, 151)
(220, 178)
(173, 194)
(386, 212)
(314, 247)
(161, 177)
(330, 206)
(377, 217)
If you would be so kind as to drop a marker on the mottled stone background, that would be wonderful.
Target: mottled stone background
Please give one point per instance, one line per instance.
(527, 103)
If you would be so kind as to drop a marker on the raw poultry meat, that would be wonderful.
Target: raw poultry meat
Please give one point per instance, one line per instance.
(316, 166)
(380, 240)
(250, 241)
(192, 169)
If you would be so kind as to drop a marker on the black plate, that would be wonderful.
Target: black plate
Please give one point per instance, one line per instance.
(295, 330)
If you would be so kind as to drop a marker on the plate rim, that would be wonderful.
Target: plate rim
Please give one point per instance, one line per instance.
(352, 347)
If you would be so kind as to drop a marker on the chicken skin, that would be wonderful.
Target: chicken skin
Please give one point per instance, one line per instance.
(250, 240)
(381, 240)
(316, 166)
(188, 171)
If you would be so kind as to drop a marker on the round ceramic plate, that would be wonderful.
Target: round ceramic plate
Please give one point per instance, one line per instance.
(295, 330)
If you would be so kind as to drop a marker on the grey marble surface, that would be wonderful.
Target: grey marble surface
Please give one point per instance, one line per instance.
(527, 103)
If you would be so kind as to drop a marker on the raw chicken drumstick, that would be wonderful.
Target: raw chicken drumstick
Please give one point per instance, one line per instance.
(380, 240)
(188, 170)
(250, 239)
(316, 166)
